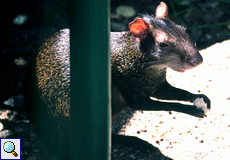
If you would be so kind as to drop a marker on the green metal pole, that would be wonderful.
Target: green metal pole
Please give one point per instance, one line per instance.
(90, 80)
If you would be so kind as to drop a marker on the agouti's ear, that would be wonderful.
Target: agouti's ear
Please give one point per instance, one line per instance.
(162, 11)
(139, 28)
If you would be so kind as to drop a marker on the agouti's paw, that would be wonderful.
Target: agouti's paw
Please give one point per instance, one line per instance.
(197, 112)
(203, 103)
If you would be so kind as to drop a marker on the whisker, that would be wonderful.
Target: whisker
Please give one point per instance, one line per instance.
(152, 63)
(163, 70)
(155, 62)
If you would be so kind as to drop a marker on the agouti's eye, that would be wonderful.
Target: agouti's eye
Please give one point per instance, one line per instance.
(161, 44)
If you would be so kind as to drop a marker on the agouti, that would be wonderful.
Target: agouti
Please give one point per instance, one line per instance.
(139, 58)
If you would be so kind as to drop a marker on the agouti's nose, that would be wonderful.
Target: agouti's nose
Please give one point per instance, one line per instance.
(196, 61)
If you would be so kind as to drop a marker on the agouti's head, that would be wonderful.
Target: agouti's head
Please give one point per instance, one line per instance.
(164, 42)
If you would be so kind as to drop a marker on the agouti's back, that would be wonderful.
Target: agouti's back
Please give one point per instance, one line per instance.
(47, 90)
(53, 74)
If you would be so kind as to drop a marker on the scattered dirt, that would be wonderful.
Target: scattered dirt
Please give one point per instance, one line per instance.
(175, 135)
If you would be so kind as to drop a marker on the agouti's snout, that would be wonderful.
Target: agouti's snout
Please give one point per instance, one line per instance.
(195, 61)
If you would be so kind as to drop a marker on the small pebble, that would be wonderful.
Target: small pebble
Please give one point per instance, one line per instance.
(5, 133)
(1, 126)
(132, 156)
(126, 11)
(20, 19)
(15, 101)
(20, 61)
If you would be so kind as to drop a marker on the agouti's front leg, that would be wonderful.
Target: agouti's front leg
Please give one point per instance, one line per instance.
(168, 92)
(199, 108)
(153, 105)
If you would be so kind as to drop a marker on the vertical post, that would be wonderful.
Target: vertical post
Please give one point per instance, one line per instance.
(90, 80)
